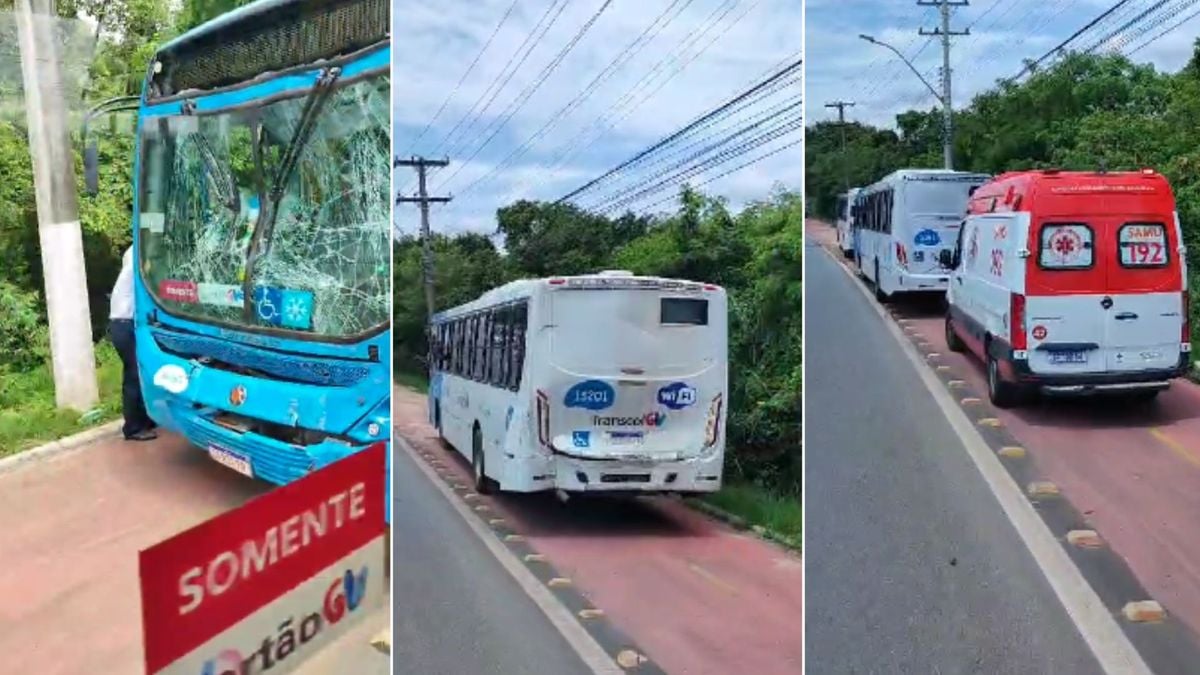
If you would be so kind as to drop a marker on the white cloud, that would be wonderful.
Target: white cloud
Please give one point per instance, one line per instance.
(432, 47)
(1003, 34)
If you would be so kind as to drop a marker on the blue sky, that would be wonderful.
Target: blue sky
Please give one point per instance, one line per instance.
(1004, 32)
(434, 43)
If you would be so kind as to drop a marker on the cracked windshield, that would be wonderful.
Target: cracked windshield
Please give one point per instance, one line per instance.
(288, 201)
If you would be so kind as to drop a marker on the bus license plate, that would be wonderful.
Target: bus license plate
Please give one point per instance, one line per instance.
(236, 461)
(1068, 357)
(626, 437)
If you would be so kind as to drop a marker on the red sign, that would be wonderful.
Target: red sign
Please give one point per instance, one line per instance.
(1039, 332)
(179, 291)
(201, 582)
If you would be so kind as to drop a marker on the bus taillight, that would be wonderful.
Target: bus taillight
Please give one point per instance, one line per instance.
(713, 426)
(543, 418)
(901, 255)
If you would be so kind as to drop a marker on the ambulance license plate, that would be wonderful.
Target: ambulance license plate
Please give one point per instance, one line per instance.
(1068, 357)
(234, 460)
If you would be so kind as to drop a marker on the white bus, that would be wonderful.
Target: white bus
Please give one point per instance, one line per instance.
(845, 221)
(904, 221)
(596, 383)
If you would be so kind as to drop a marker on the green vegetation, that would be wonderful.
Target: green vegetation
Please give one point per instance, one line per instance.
(28, 416)
(757, 506)
(128, 33)
(754, 254)
(1085, 113)
(414, 381)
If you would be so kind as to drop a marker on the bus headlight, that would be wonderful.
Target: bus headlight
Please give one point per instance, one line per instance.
(712, 428)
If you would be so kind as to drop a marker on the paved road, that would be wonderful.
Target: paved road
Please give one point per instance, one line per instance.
(1134, 471)
(912, 566)
(70, 531)
(456, 610)
(694, 595)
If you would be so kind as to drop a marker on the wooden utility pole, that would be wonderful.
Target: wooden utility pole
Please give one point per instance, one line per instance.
(423, 199)
(59, 233)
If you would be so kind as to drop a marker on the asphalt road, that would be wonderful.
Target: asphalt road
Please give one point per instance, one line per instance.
(911, 565)
(456, 610)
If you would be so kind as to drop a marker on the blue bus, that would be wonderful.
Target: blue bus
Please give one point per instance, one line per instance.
(262, 234)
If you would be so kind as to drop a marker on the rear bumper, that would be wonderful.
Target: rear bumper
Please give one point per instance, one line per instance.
(572, 474)
(1141, 380)
(910, 282)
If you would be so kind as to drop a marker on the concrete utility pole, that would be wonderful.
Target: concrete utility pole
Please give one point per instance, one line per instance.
(59, 234)
(841, 108)
(424, 200)
(945, 33)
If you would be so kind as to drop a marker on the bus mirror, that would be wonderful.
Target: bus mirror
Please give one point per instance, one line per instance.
(91, 168)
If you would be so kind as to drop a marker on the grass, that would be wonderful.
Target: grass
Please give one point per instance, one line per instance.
(758, 506)
(414, 381)
(28, 416)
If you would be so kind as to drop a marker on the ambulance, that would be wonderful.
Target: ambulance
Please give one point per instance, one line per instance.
(1071, 283)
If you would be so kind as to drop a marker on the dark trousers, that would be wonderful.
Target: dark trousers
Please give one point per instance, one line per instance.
(132, 405)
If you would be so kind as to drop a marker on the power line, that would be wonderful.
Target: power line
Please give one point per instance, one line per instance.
(735, 169)
(610, 118)
(608, 71)
(465, 74)
(1033, 65)
(744, 129)
(682, 172)
(470, 114)
(765, 83)
(529, 91)
(1162, 33)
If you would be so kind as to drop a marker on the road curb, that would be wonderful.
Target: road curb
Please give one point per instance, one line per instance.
(54, 448)
(615, 652)
(739, 523)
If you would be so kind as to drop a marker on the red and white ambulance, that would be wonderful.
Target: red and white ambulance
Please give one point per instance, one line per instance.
(1071, 283)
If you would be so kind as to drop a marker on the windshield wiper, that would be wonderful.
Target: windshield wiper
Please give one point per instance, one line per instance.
(260, 243)
(226, 185)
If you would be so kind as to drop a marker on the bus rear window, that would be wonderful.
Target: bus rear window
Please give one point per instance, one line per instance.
(1143, 245)
(687, 311)
(1065, 246)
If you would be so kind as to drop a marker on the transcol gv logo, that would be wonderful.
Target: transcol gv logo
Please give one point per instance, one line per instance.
(343, 596)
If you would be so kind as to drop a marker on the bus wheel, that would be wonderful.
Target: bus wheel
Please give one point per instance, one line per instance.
(482, 485)
(953, 342)
(880, 296)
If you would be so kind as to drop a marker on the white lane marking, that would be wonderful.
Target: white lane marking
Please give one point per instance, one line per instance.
(1100, 631)
(590, 651)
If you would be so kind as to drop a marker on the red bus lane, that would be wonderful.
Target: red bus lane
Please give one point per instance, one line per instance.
(73, 526)
(695, 595)
(1133, 470)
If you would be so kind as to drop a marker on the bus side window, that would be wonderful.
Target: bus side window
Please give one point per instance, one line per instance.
(499, 357)
(472, 333)
(483, 346)
(517, 345)
(459, 327)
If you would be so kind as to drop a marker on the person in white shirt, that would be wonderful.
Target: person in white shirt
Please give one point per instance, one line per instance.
(138, 425)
